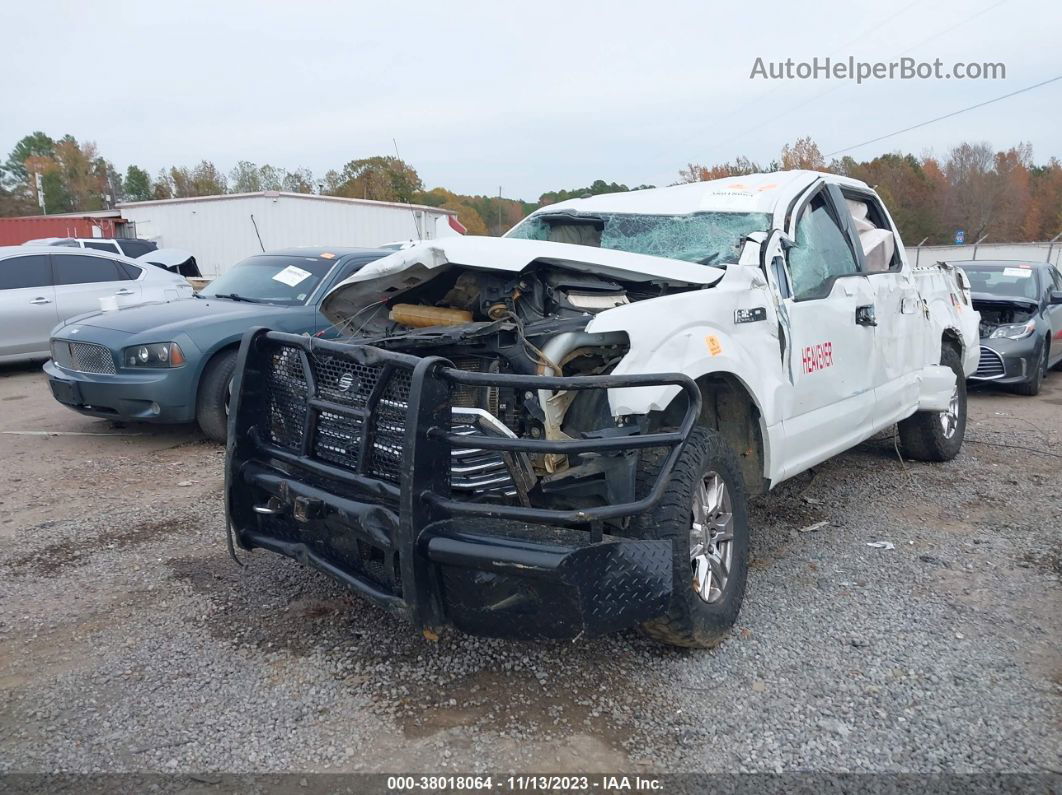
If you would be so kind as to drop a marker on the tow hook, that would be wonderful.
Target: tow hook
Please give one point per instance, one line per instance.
(272, 507)
(306, 508)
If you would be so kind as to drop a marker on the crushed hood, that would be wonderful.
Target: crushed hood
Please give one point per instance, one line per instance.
(415, 265)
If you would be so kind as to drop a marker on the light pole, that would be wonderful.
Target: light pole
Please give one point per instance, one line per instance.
(38, 181)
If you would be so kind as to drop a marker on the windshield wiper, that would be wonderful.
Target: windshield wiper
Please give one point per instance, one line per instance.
(235, 297)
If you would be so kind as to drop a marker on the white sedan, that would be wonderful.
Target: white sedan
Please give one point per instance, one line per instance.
(42, 285)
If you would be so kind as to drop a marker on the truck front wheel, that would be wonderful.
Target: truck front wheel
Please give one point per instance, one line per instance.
(938, 435)
(704, 515)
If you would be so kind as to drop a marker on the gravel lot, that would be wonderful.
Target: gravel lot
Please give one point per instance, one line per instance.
(130, 642)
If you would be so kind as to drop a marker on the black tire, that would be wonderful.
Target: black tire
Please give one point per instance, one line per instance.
(691, 621)
(1032, 386)
(923, 436)
(211, 408)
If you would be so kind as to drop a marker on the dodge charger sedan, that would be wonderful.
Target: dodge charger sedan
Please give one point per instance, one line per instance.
(1021, 321)
(173, 362)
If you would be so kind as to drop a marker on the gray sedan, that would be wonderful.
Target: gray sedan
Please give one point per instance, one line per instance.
(1021, 321)
(174, 362)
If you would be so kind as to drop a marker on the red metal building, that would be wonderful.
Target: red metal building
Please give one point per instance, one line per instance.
(106, 223)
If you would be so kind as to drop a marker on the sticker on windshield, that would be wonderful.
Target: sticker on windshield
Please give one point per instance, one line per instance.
(1021, 273)
(292, 276)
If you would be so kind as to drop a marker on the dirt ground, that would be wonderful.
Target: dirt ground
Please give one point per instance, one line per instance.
(118, 602)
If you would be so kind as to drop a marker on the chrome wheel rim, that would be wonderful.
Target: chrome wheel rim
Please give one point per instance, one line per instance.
(949, 420)
(711, 537)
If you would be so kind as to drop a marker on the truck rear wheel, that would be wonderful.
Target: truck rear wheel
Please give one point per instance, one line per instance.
(704, 515)
(938, 435)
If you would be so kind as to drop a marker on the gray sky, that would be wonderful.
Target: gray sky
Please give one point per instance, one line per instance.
(530, 98)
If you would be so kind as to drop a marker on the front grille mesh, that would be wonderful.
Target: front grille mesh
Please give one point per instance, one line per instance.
(83, 357)
(990, 364)
(338, 436)
(285, 405)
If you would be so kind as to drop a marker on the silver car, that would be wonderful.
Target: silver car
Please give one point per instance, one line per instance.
(42, 285)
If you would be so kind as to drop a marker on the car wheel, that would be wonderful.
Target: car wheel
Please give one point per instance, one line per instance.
(215, 388)
(938, 435)
(704, 515)
(1032, 386)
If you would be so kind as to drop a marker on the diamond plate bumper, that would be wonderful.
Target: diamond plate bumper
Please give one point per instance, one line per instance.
(516, 580)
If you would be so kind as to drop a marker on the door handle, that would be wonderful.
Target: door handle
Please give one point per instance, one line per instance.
(123, 291)
(40, 300)
(866, 316)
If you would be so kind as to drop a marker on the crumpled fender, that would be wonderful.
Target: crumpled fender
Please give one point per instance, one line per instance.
(660, 345)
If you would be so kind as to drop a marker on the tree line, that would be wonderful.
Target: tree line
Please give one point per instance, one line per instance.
(1002, 194)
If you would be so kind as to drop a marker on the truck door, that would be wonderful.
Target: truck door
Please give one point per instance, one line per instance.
(827, 303)
(902, 328)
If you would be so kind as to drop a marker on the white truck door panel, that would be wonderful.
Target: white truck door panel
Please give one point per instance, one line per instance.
(899, 314)
(828, 308)
(831, 401)
(901, 333)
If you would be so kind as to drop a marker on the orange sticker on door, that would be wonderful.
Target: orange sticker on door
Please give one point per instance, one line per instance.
(715, 347)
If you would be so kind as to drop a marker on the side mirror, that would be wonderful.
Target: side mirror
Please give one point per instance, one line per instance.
(1056, 297)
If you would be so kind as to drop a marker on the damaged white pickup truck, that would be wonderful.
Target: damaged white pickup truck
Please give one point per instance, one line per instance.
(555, 433)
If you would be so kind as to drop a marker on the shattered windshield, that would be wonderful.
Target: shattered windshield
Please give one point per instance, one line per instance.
(712, 238)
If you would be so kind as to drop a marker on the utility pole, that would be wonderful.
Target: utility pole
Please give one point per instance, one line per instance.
(499, 211)
(38, 180)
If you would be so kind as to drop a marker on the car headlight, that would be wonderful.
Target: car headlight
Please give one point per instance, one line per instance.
(1014, 331)
(156, 354)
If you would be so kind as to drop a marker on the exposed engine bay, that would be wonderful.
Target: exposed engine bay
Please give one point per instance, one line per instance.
(531, 323)
(1001, 313)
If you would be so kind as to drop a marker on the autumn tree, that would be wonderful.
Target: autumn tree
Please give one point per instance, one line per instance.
(298, 181)
(1045, 189)
(34, 155)
(906, 189)
(739, 168)
(380, 178)
(1015, 218)
(972, 192)
(207, 180)
(137, 184)
(245, 178)
(804, 153)
(466, 214)
(597, 187)
(83, 172)
(163, 187)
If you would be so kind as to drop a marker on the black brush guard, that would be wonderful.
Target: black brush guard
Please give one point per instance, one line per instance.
(339, 457)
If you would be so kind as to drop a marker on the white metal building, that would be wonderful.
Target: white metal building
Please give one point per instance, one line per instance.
(222, 230)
